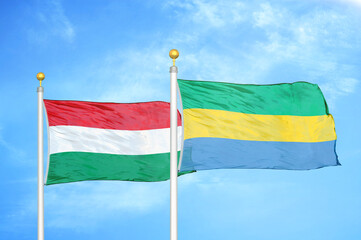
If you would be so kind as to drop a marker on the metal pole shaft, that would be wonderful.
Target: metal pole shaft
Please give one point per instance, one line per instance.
(173, 155)
(40, 91)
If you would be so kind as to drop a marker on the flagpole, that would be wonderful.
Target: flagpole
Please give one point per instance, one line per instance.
(40, 76)
(173, 148)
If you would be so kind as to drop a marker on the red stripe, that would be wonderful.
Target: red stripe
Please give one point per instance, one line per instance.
(121, 116)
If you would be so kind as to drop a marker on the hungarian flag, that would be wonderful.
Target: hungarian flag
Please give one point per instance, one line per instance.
(108, 141)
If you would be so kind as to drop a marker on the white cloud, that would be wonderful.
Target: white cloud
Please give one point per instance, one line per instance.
(210, 13)
(214, 186)
(338, 87)
(348, 85)
(135, 75)
(267, 16)
(83, 205)
(352, 2)
(13, 151)
(52, 22)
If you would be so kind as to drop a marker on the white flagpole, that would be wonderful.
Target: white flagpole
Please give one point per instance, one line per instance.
(40, 76)
(173, 148)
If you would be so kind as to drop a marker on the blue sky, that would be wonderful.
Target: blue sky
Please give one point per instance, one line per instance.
(118, 51)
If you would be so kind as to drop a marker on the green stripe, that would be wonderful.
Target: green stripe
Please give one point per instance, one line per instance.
(81, 166)
(298, 99)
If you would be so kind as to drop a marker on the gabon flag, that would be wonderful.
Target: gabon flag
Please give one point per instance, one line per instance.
(108, 141)
(277, 126)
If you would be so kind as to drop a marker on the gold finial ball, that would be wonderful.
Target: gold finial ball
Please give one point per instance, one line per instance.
(40, 76)
(173, 53)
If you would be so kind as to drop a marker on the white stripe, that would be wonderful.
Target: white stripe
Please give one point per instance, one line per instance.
(96, 140)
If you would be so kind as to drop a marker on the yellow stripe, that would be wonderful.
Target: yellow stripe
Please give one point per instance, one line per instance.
(254, 127)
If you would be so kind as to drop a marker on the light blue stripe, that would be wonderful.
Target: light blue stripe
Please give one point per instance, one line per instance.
(216, 153)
